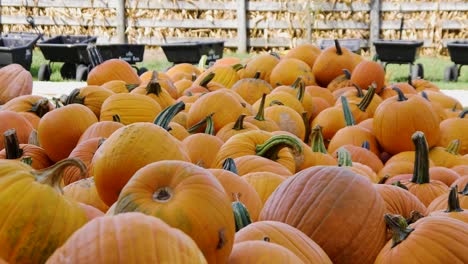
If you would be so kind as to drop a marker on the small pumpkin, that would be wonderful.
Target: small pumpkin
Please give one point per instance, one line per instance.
(14, 81)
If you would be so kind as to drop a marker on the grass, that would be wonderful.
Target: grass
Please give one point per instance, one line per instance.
(434, 68)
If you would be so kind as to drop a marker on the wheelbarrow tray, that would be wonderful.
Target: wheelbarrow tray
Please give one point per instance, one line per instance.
(17, 48)
(458, 51)
(67, 48)
(131, 53)
(353, 45)
(397, 51)
(192, 51)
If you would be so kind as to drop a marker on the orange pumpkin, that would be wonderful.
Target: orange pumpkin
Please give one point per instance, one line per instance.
(253, 163)
(130, 108)
(288, 70)
(83, 151)
(440, 203)
(454, 210)
(102, 129)
(84, 191)
(367, 72)
(455, 128)
(90, 96)
(305, 52)
(34, 104)
(259, 119)
(264, 183)
(14, 81)
(251, 89)
(255, 251)
(263, 64)
(169, 190)
(399, 201)
(113, 69)
(136, 237)
(13, 120)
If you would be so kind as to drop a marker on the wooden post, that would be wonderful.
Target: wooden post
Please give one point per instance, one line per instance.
(309, 22)
(121, 22)
(242, 26)
(374, 24)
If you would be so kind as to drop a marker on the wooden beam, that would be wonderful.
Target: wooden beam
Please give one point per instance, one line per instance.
(121, 22)
(374, 23)
(242, 26)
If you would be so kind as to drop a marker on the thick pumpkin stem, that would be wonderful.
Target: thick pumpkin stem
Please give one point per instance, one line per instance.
(347, 74)
(165, 117)
(257, 75)
(33, 139)
(384, 179)
(74, 98)
(199, 125)
(41, 107)
(453, 147)
(453, 201)
(398, 184)
(12, 147)
(366, 145)
(266, 239)
(300, 92)
(273, 145)
(116, 118)
(348, 115)
(207, 79)
(359, 91)
(261, 109)
(162, 195)
(367, 99)
(344, 158)
(230, 165)
(306, 122)
(399, 227)
(239, 125)
(463, 113)
(130, 87)
(52, 175)
(421, 164)
(401, 95)
(297, 82)
(153, 86)
(210, 125)
(316, 140)
(414, 216)
(339, 51)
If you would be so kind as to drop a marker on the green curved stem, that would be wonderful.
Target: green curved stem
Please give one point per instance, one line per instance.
(359, 91)
(237, 67)
(421, 164)
(261, 109)
(208, 78)
(398, 184)
(273, 145)
(463, 113)
(230, 165)
(366, 101)
(52, 175)
(210, 129)
(297, 82)
(27, 160)
(257, 75)
(74, 97)
(401, 95)
(347, 74)
(339, 51)
(300, 92)
(239, 125)
(344, 158)
(465, 190)
(348, 115)
(453, 201)
(454, 147)
(316, 140)
(165, 117)
(399, 228)
(200, 124)
(116, 118)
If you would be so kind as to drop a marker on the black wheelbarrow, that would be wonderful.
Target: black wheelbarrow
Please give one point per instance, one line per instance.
(69, 49)
(192, 51)
(131, 53)
(17, 47)
(458, 51)
(400, 52)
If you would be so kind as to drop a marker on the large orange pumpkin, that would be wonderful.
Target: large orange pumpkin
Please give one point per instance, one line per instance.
(171, 190)
(316, 200)
(455, 128)
(35, 104)
(128, 149)
(288, 70)
(113, 69)
(133, 237)
(13, 120)
(255, 251)
(130, 108)
(305, 52)
(14, 81)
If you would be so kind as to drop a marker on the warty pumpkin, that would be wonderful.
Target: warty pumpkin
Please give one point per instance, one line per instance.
(316, 200)
(14, 81)
(170, 190)
(134, 237)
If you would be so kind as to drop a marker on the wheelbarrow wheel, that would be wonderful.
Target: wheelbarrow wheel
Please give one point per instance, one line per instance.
(451, 73)
(82, 73)
(68, 71)
(44, 72)
(417, 71)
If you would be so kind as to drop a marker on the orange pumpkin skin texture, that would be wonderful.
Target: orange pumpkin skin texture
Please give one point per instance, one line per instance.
(331, 120)
(253, 163)
(14, 81)
(19, 123)
(57, 141)
(236, 186)
(444, 175)
(287, 119)
(225, 75)
(255, 251)
(84, 191)
(169, 190)
(399, 201)
(363, 156)
(367, 72)
(131, 108)
(304, 52)
(315, 201)
(251, 89)
(330, 64)
(40, 160)
(127, 150)
(113, 69)
(324, 93)
(102, 129)
(226, 109)
(264, 183)
(91, 96)
(453, 208)
(85, 152)
(446, 239)
(455, 128)
(284, 235)
(36, 219)
(186, 68)
(461, 182)
(134, 237)
(288, 70)
(116, 86)
(395, 120)
(90, 211)
(202, 148)
(263, 63)
(36, 104)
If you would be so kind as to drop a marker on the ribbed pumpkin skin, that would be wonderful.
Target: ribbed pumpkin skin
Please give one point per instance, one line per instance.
(57, 141)
(14, 81)
(128, 149)
(198, 204)
(131, 108)
(85, 152)
(253, 163)
(102, 129)
(14, 120)
(262, 252)
(202, 148)
(25, 103)
(287, 236)
(434, 240)
(129, 238)
(113, 69)
(264, 183)
(317, 201)
(40, 160)
(35, 219)
(84, 191)
(399, 201)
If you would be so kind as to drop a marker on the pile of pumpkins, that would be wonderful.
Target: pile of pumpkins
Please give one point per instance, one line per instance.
(308, 157)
